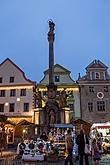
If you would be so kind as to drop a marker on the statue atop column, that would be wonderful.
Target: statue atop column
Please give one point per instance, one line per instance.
(52, 106)
(51, 31)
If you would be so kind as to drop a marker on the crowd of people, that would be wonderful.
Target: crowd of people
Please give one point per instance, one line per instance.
(86, 146)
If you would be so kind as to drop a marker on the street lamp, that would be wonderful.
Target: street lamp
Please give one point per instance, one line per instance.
(24, 132)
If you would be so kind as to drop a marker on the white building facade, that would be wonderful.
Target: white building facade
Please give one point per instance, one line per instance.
(16, 93)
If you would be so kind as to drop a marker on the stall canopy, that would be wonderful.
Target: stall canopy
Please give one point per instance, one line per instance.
(80, 121)
(101, 125)
(63, 126)
(10, 122)
(24, 123)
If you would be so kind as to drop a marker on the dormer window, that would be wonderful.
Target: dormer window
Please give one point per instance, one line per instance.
(97, 75)
(57, 78)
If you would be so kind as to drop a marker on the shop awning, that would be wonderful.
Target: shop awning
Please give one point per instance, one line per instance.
(101, 126)
(63, 125)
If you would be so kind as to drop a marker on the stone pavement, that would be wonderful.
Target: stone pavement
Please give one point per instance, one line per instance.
(105, 160)
(9, 158)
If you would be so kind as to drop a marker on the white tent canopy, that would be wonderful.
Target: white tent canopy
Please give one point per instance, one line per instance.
(101, 125)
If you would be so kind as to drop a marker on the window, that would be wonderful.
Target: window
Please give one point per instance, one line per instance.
(11, 79)
(105, 88)
(90, 106)
(71, 106)
(26, 107)
(11, 107)
(13, 92)
(97, 75)
(1, 107)
(23, 92)
(44, 93)
(2, 93)
(100, 105)
(57, 78)
(91, 89)
(1, 79)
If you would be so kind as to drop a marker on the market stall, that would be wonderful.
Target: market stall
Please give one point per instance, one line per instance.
(103, 128)
(37, 150)
(59, 140)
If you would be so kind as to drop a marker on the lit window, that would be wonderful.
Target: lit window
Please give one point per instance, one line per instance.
(90, 106)
(44, 93)
(1, 107)
(23, 92)
(26, 107)
(2, 93)
(12, 92)
(11, 107)
(57, 78)
(100, 105)
(11, 79)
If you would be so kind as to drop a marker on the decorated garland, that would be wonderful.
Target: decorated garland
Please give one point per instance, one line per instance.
(22, 146)
(31, 146)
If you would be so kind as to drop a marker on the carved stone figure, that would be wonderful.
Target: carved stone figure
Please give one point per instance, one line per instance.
(51, 25)
(39, 99)
(63, 99)
(52, 117)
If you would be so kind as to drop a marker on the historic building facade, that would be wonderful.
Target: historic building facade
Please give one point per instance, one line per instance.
(16, 94)
(64, 83)
(95, 93)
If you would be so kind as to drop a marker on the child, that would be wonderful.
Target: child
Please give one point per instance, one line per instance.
(95, 152)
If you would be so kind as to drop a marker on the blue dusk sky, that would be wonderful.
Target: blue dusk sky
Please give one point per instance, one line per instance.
(82, 34)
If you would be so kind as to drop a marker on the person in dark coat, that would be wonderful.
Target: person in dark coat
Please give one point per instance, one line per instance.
(44, 136)
(80, 141)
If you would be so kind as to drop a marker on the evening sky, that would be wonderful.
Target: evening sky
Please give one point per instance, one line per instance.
(82, 34)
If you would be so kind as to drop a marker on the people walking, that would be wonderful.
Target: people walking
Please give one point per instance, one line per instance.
(69, 148)
(95, 152)
(81, 140)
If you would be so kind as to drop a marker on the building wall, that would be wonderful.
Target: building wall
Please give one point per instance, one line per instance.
(18, 104)
(95, 115)
(95, 90)
(9, 69)
(77, 105)
(64, 78)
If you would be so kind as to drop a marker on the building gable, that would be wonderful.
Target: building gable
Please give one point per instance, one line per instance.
(9, 69)
(96, 64)
(63, 73)
(96, 71)
(58, 68)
